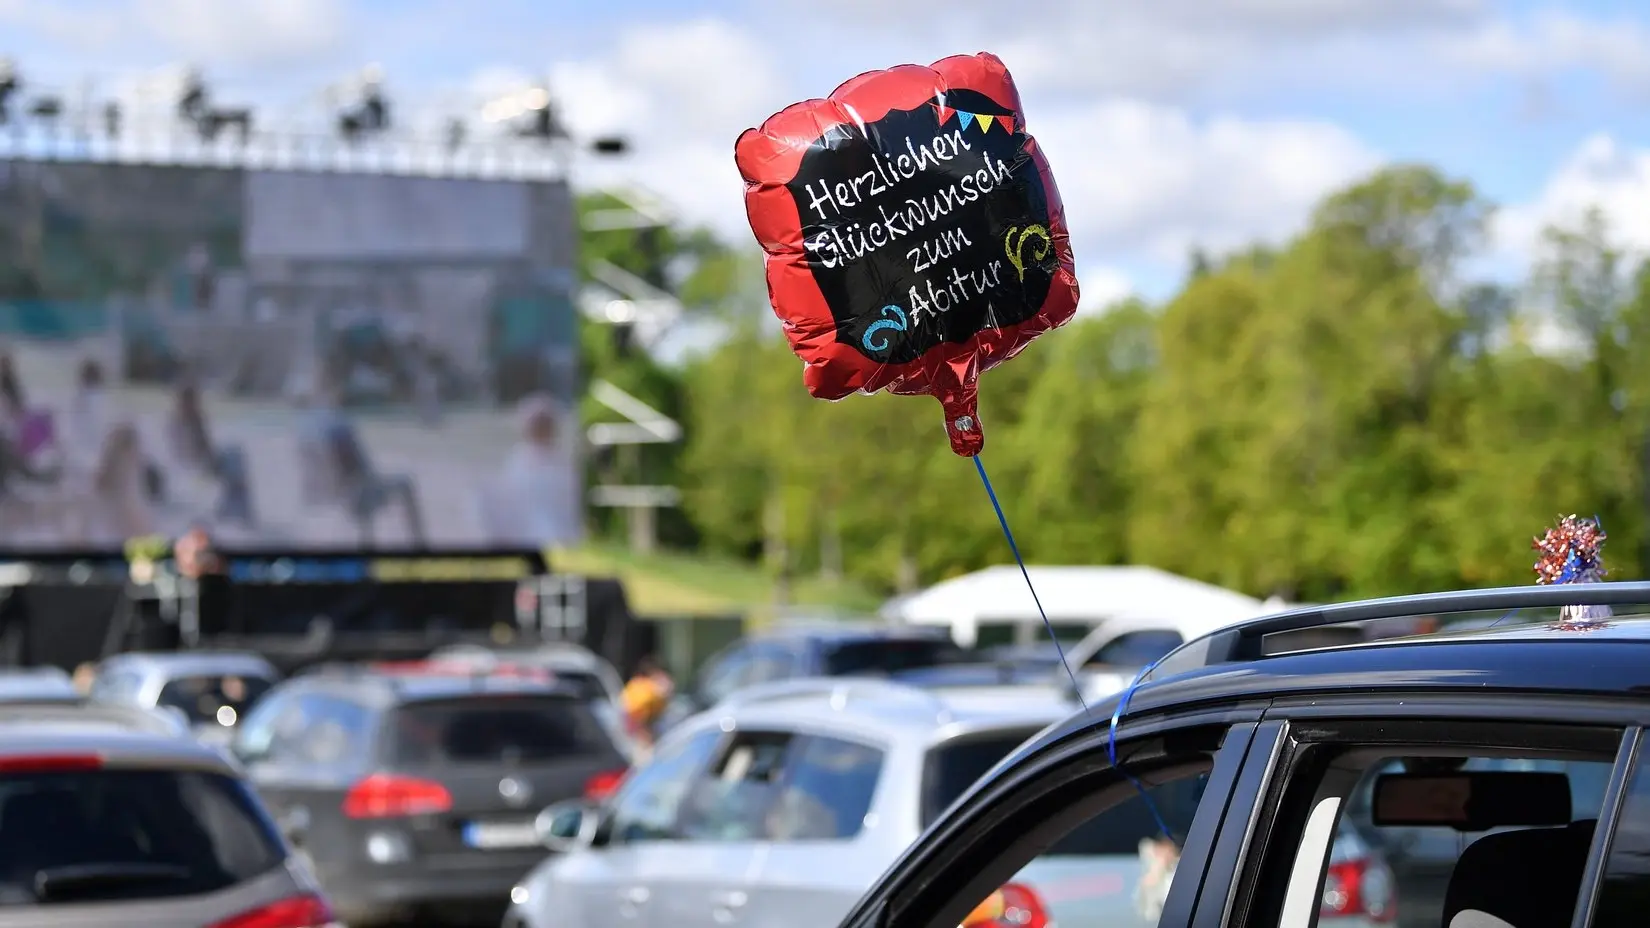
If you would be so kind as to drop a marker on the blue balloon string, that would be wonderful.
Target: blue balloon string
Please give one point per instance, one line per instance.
(1077, 688)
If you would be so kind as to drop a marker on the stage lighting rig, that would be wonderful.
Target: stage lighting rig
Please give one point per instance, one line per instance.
(531, 113)
(528, 113)
(364, 108)
(195, 107)
(10, 84)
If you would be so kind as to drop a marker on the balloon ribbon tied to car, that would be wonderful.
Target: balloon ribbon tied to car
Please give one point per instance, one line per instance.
(912, 233)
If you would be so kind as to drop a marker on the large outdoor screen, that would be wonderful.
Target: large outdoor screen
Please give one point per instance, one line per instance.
(285, 359)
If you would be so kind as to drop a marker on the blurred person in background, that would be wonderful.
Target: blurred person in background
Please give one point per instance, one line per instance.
(537, 495)
(118, 507)
(88, 415)
(85, 676)
(189, 438)
(11, 386)
(645, 699)
(335, 468)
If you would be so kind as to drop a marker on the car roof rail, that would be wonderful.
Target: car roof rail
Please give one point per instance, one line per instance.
(48, 710)
(1245, 641)
(839, 690)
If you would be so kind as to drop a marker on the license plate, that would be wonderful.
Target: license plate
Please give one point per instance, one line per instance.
(494, 835)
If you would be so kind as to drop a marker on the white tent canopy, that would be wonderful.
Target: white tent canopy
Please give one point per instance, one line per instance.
(1075, 596)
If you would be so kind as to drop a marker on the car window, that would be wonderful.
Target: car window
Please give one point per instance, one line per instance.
(724, 675)
(117, 686)
(731, 801)
(105, 835)
(336, 730)
(273, 731)
(494, 730)
(953, 766)
(219, 698)
(827, 790)
(647, 806)
(1074, 846)
(770, 662)
(889, 656)
(1422, 875)
(1136, 649)
(1624, 895)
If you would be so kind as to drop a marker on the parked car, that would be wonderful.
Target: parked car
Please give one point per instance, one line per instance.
(413, 788)
(577, 666)
(1282, 741)
(37, 684)
(783, 803)
(801, 650)
(111, 817)
(213, 689)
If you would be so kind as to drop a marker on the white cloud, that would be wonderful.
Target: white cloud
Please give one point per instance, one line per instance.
(1142, 182)
(244, 33)
(1601, 173)
(1102, 288)
(1555, 42)
(1149, 182)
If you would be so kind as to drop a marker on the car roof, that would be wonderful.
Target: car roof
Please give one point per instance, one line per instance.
(1526, 650)
(847, 632)
(119, 735)
(188, 663)
(37, 683)
(402, 685)
(890, 711)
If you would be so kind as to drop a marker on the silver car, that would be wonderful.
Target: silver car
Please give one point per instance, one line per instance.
(214, 690)
(111, 818)
(780, 806)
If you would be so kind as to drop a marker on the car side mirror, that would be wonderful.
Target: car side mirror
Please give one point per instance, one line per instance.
(568, 826)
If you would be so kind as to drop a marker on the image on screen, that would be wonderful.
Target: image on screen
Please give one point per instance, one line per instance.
(292, 360)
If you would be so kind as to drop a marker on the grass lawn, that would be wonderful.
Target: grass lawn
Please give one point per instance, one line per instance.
(669, 584)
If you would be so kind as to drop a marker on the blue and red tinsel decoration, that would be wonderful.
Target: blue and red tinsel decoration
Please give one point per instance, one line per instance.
(1570, 553)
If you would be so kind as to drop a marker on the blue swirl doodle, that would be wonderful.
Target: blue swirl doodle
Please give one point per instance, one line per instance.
(894, 322)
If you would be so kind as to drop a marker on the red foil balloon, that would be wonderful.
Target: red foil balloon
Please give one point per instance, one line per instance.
(913, 233)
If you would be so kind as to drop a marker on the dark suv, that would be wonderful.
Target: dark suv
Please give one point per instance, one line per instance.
(824, 649)
(1496, 772)
(413, 788)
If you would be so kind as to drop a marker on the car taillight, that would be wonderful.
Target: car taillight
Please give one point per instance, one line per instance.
(50, 763)
(1013, 906)
(603, 784)
(385, 795)
(1359, 888)
(297, 912)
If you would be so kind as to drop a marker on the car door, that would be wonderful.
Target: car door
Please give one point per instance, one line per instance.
(611, 884)
(1289, 867)
(725, 827)
(822, 852)
(987, 845)
(301, 752)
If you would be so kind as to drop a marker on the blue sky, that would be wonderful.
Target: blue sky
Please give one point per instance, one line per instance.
(1169, 123)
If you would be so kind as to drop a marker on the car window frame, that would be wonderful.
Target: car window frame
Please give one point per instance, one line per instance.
(988, 835)
(1099, 658)
(684, 742)
(315, 704)
(1278, 814)
(738, 658)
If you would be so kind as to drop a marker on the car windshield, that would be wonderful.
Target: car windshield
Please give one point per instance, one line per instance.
(213, 698)
(954, 766)
(890, 656)
(104, 835)
(496, 729)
